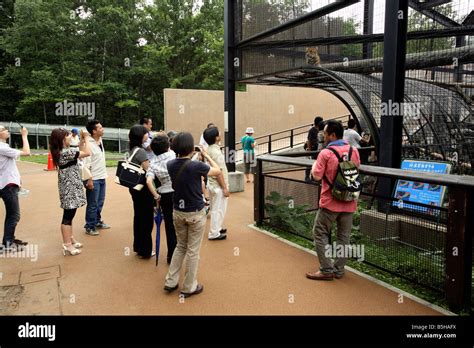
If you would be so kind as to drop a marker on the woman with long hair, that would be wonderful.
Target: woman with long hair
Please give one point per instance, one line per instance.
(143, 201)
(71, 191)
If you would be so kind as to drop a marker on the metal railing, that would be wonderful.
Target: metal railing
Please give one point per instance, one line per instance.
(282, 140)
(425, 244)
(268, 143)
(44, 130)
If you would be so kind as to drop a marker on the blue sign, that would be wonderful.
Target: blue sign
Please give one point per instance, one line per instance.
(419, 192)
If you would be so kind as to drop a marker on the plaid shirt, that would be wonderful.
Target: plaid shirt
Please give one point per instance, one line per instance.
(158, 170)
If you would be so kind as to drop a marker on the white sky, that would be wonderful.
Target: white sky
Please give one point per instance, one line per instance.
(357, 10)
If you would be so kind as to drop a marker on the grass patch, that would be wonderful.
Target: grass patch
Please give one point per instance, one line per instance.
(40, 159)
(43, 159)
(400, 283)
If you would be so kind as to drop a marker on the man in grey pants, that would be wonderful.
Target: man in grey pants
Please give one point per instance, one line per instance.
(330, 209)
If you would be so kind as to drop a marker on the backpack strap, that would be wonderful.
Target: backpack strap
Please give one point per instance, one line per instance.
(334, 151)
(339, 158)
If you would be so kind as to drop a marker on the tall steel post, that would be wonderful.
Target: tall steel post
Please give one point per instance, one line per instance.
(230, 62)
(393, 89)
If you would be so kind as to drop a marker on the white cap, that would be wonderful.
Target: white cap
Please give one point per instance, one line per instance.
(249, 130)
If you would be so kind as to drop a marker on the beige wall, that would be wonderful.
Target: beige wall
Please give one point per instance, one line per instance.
(267, 109)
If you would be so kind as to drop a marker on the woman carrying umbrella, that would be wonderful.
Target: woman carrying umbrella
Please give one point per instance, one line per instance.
(163, 194)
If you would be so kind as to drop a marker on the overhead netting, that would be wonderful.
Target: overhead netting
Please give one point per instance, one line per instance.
(340, 50)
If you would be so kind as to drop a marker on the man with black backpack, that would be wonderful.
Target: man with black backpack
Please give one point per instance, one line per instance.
(337, 166)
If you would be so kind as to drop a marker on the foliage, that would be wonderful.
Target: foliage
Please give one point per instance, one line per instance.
(283, 213)
(118, 55)
(43, 159)
(418, 21)
(406, 285)
(398, 258)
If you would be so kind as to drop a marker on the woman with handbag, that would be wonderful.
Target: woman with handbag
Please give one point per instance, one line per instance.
(143, 201)
(71, 192)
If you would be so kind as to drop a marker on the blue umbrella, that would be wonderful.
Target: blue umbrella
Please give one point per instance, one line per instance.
(158, 219)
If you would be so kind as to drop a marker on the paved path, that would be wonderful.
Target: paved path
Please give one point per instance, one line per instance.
(250, 273)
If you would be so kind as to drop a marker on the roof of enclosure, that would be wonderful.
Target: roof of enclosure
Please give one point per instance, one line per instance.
(338, 46)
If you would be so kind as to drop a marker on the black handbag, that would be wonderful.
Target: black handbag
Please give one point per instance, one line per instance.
(129, 174)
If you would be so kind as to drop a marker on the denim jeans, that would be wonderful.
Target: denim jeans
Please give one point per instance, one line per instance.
(9, 194)
(95, 203)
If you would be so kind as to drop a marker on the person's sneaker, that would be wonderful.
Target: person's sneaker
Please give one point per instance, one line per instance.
(102, 226)
(92, 232)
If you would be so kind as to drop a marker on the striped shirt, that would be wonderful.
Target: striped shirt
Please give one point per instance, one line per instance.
(159, 170)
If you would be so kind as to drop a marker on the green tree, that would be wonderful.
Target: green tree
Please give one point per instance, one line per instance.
(118, 56)
(419, 22)
(8, 90)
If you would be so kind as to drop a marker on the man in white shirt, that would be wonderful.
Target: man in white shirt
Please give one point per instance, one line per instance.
(148, 124)
(351, 135)
(218, 186)
(96, 185)
(10, 183)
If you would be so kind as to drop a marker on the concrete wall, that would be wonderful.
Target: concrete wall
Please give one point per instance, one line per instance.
(267, 109)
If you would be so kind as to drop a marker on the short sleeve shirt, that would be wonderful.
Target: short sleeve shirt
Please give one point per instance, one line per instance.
(352, 137)
(215, 153)
(146, 144)
(140, 156)
(158, 169)
(247, 141)
(188, 187)
(313, 138)
(327, 165)
(8, 171)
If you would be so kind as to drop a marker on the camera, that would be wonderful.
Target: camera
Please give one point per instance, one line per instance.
(197, 149)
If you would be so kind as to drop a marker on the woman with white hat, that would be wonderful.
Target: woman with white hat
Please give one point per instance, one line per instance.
(248, 145)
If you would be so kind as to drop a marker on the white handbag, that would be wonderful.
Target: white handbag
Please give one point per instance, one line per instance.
(85, 172)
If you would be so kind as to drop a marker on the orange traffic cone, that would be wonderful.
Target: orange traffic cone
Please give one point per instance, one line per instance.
(50, 163)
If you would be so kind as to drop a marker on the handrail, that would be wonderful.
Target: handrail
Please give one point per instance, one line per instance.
(294, 128)
(309, 153)
(283, 131)
(461, 181)
(459, 222)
